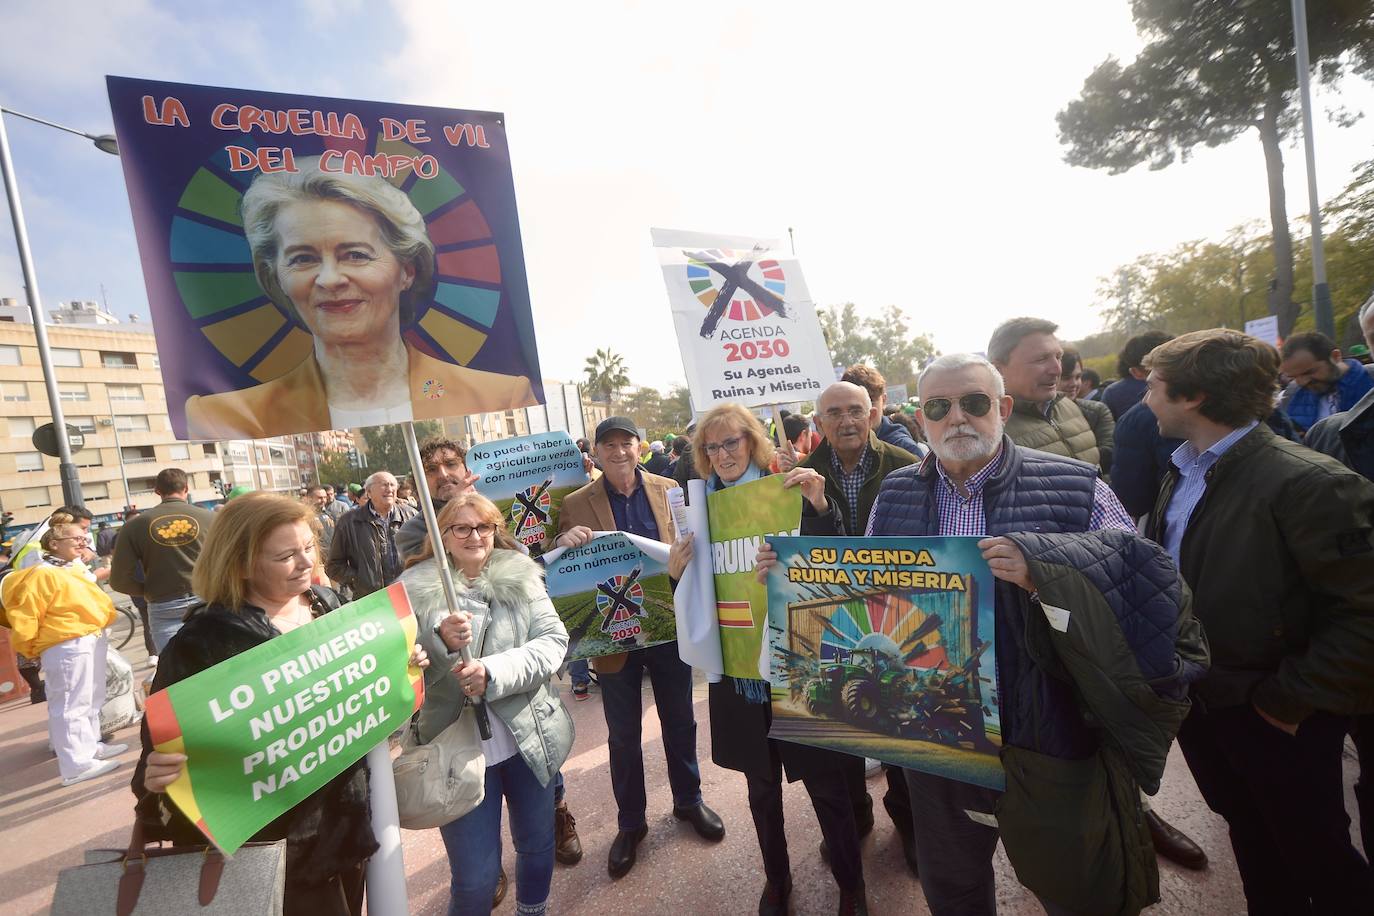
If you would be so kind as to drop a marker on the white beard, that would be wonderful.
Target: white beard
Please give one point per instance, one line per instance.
(967, 449)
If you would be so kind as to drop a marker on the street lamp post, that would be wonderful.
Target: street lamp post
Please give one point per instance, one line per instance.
(71, 482)
(1321, 293)
(119, 453)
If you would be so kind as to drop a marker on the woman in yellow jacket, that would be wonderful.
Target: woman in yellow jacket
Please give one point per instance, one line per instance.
(60, 615)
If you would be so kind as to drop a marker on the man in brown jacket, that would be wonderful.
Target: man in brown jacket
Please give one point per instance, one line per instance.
(627, 498)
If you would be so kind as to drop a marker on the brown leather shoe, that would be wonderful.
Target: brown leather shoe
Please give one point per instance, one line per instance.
(1173, 844)
(500, 894)
(567, 848)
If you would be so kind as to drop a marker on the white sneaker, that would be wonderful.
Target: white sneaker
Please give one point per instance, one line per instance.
(152, 661)
(91, 772)
(105, 751)
(872, 767)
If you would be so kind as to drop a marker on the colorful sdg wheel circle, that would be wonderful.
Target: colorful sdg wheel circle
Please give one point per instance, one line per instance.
(706, 283)
(886, 622)
(614, 611)
(213, 268)
(529, 521)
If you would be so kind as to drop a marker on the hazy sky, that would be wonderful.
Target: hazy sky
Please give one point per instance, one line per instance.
(911, 147)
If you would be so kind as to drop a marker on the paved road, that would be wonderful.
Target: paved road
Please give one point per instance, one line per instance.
(44, 828)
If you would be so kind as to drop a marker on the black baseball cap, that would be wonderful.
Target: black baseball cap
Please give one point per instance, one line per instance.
(616, 425)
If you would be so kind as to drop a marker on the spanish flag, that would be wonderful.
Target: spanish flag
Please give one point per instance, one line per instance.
(735, 614)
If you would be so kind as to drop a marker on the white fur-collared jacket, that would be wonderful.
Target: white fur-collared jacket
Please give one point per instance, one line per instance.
(522, 644)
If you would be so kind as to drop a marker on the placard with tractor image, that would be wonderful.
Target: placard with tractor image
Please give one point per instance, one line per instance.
(889, 656)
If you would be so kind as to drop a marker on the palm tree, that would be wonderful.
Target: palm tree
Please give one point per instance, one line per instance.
(606, 374)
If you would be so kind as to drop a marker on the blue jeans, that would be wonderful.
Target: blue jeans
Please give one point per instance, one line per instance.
(622, 702)
(167, 616)
(474, 843)
(578, 672)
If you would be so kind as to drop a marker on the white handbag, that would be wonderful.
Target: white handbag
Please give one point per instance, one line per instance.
(146, 880)
(441, 781)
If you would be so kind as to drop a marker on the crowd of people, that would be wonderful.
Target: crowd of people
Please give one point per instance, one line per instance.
(1211, 528)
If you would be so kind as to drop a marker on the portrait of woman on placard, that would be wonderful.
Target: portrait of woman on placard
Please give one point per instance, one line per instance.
(349, 255)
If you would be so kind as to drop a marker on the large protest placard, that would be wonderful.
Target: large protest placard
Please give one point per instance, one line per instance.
(289, 241)
(612, 594)
(721, 608)
(745, 322)
(263, 730)
(527, 478)
(742, 517)
(883, 647)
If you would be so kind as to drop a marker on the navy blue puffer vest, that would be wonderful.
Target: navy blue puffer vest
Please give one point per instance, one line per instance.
(1032, 491)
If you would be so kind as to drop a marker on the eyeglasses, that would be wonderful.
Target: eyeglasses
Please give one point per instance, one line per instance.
(853, 413)
(730, 445)
(463, 532)
(975, 405)
(79, 537)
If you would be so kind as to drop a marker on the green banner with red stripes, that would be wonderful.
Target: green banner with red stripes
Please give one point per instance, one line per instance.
(741, 518)
(263, 730)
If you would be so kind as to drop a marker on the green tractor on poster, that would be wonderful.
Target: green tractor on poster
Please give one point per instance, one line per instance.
(866, 690)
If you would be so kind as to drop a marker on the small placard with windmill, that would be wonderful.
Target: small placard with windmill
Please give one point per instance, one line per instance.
(613, 594)
(527, 478)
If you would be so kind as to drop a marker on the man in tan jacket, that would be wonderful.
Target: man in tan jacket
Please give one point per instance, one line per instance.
(628, 498)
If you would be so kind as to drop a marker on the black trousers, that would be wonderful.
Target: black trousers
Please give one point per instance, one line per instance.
(1282, 797)
(896, 800)
(830, 798)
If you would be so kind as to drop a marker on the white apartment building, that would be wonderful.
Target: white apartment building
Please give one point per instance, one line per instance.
(111, 389)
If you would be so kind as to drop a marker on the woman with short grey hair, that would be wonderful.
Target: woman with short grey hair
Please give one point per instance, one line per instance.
(348, 257)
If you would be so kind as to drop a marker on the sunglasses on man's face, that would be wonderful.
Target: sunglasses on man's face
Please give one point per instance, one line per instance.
(975, 405)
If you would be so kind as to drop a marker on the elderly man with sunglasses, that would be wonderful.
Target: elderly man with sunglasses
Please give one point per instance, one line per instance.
(1052, 521)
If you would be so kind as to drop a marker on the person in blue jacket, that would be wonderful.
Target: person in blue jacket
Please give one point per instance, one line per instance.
(1323, 383)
